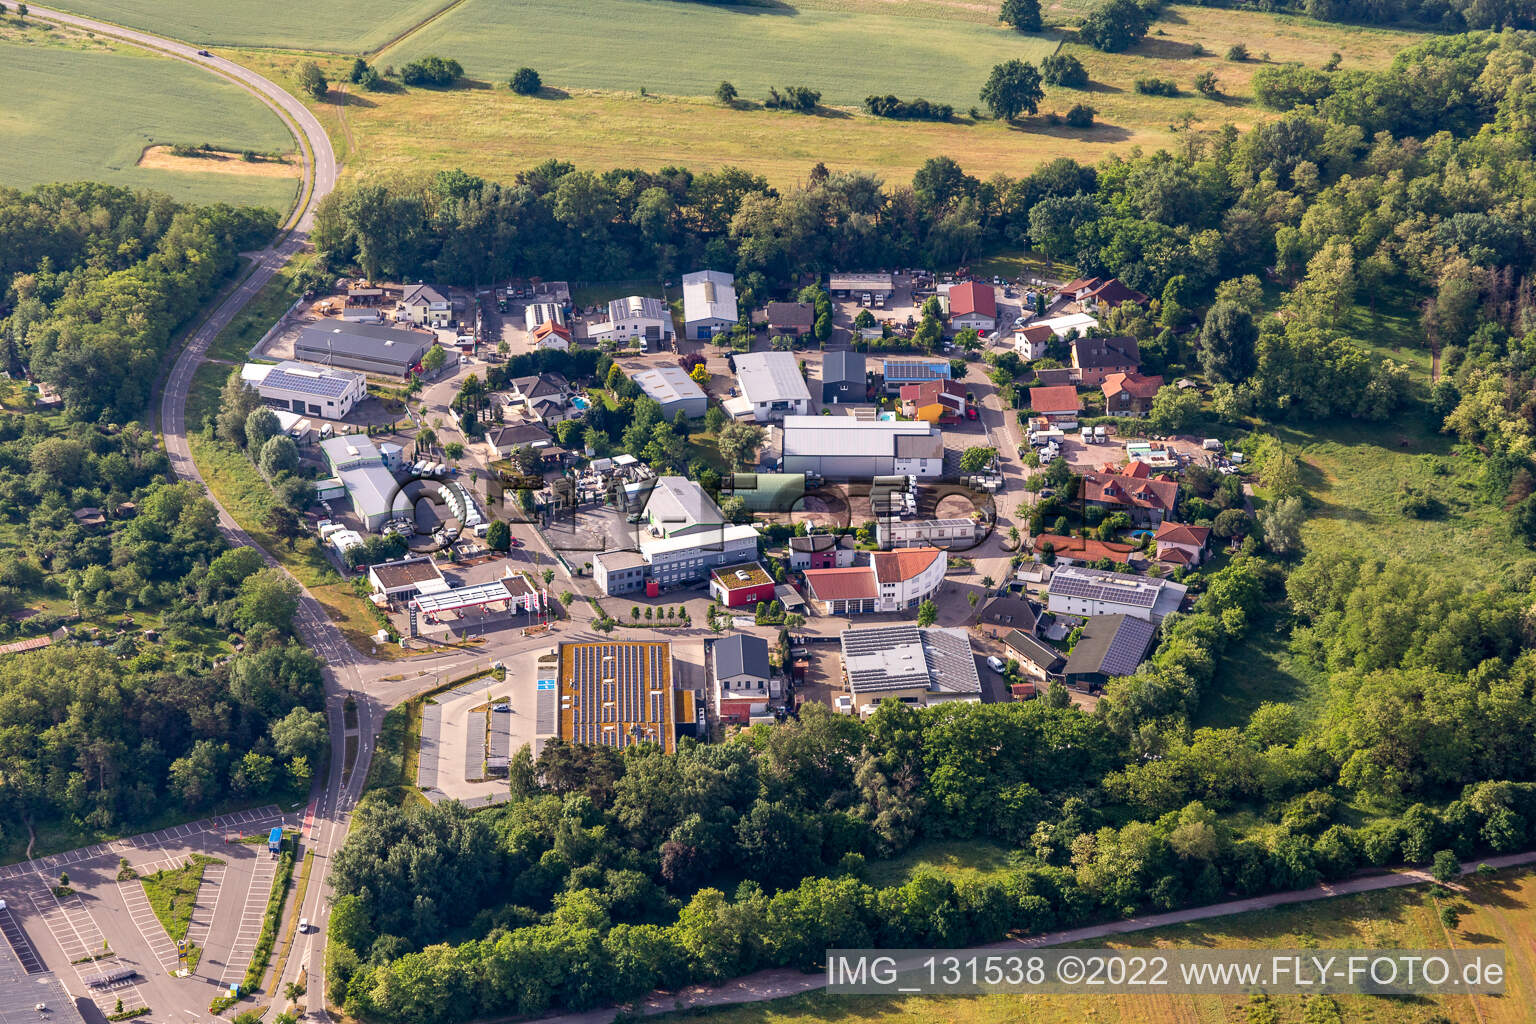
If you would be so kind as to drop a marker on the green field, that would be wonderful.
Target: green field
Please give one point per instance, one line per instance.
(687, 48)
(87, 114)
(340, 26)
(1494, 913)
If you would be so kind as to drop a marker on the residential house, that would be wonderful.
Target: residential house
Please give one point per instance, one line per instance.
(934, 401)
(1057, 404)
(1079, 550)
(1075, 590)
(1101, 292)
(1069, 324)
(1097, 358)
(1058, 376)
(1110, 646)
(772, 385)
(913, 664)
(677, 392)
(1030, 342)
(709, 304)
(741, 586)
(1039, 662)
(1129, 394)
(843, 378)
(1006, 613)
(508, 438)
(973, 304)
(1181, 545)
(552, 336)
(742, 676)
(425, 305)
(545, 397)
(821, 551)
(1147, 501)
(893, 581)
(845, 448)
(900, 372)
(790, 319)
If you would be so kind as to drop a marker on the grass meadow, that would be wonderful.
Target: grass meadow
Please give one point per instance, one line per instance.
(592, 114)
(1497, 912)
(87, 112)
(337, 26)
(685, 49)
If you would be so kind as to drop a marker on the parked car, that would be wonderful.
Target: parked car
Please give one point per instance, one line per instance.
(501, 707)
(995, 663)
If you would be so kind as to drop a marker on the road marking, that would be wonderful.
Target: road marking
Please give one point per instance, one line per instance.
(251, 915)
(31, 961)
(150, 929)
(78, 936)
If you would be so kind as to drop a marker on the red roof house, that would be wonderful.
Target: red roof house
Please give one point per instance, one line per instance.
(1146, 501)
(973, 304)
(1129, 394)
(1178, 544)
(1056, 403)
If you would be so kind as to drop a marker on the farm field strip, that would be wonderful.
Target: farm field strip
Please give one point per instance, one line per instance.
(344, 26)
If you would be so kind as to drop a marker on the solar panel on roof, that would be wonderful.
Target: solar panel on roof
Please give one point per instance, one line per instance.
(313, 384)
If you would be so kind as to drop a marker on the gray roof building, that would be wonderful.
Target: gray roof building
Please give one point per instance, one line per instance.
(709, 303)
(1111, 645)
(674, 389)
(21, 992)
(371, 348)
(741, 655)
(360, 468)
(772, 383)
(1036, 652)
(910, 660)
(677, 506)
(843, 378)
(842, 447)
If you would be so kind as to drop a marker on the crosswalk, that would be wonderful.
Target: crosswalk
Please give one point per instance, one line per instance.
(81, 940)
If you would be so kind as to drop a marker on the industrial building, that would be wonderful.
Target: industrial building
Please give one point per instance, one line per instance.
(878, 286)
(355, 461)
(674, 390)
(31, 995)
(636, 318)
(771, 385)
(709, 304)
(370, 348)
(916, 533)
(913, 664)
(845, 448)
(622, 692)
(307, 390)
(537, 313)
(673, 506)
(1092, 592)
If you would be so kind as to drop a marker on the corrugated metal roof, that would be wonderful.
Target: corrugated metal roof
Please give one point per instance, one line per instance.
(708, 295)
(844, 435)
(771, 377)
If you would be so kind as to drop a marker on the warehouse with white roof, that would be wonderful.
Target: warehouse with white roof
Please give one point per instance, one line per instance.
(677, 392)
(307, 390)
(709, 304)
(845, 448)
(772, 385)
(360, 468)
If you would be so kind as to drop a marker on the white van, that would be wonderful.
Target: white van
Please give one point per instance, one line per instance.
(645, 345)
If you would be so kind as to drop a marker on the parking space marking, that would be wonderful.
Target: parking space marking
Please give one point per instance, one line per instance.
(27, 953)
(77, 935)
(251, 915)
(203, 913)
(153, 932)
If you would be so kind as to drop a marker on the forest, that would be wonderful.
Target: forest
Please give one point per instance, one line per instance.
(1268, 253)
(142, 703)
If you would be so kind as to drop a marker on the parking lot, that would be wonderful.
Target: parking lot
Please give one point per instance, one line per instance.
(102, 927)
(460, 731)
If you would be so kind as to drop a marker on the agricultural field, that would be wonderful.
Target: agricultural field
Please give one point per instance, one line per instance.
(685, 49)
(1500, 912)
(337, 26)
(77, 109)
(581, 117)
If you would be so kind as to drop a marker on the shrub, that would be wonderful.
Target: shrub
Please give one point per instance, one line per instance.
(1206, 84)
(1115, 25)
(525, 82)
(1065, 70)
(1080, 116)
(908, 110)
(794, 97)
(431, 71)
(725, 92)
(1237, 51)
(1157, 87)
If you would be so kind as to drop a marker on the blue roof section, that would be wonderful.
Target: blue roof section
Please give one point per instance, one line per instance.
(327, 383)
(915, 371)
